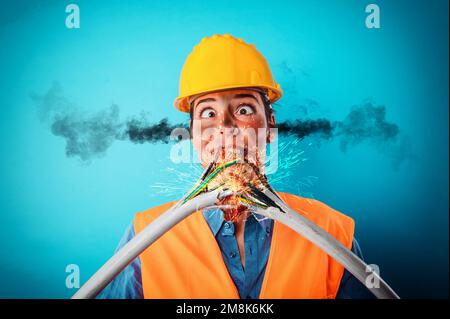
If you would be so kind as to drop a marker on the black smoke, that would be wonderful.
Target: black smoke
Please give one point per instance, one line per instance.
(89, 136)
(303, 128)
(140, 131)
(364, 123)
(86, 137)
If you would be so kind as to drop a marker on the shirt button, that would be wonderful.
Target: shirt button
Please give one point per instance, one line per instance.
(232, 254)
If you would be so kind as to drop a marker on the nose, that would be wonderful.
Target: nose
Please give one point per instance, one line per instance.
(228, 125)
(227, 131)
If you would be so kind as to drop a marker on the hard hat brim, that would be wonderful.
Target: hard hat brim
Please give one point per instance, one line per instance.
(181, 103)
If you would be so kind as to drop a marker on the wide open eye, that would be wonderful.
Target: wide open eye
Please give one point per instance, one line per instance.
(207, 113)
(244, 109)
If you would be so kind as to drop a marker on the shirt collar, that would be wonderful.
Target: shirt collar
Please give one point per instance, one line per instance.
(214, 218)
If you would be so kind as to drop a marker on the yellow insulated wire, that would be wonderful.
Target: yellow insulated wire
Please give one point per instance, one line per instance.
(202, 186)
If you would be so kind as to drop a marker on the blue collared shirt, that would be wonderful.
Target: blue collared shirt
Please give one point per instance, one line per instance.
(248, 280)
(257, 239)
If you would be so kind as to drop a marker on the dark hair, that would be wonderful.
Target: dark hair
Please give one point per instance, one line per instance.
(267, 109)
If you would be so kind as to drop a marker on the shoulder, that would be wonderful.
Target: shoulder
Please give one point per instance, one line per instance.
(322, 214)
(147, 216)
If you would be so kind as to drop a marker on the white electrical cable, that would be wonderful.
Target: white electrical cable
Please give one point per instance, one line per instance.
(286, 216)
(329, 244)
(144, 239)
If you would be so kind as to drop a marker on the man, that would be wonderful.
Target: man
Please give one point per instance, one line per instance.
(227, 87)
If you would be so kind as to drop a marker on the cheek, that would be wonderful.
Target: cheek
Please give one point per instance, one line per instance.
(196, 132)
(261, 124)
(250, 129)
(202, 135)
(255, 121)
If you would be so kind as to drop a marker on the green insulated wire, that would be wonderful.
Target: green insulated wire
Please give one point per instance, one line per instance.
(202, 186)
(205, 183)
(252, 202)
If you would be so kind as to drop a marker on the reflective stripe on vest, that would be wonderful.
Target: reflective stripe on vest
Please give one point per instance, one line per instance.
(186, 262)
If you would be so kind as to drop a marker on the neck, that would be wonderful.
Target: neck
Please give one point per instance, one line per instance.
(238, 215)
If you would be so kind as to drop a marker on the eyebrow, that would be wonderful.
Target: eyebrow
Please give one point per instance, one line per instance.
(236, 96)
(209, 99)
(244, 95)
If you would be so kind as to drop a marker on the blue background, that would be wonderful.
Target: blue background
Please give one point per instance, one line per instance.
(56, 210)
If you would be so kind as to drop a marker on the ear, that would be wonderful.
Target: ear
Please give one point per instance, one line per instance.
(271, 124)
(191, 119)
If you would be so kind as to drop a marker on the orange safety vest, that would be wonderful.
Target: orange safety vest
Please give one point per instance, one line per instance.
(186, 262)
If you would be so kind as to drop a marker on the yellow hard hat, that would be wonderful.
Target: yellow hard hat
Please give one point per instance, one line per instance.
(224, 62)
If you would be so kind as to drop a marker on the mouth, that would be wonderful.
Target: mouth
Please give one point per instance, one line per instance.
(238, 177)
(237, 172)
(241, 178)
(242, 154)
